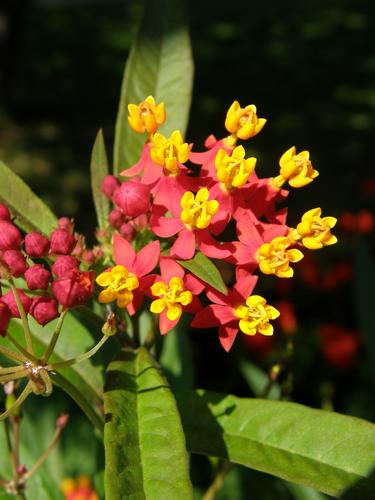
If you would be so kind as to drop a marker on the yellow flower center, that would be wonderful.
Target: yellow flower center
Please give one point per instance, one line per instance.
(243, 122)
(118, 283)
(146, 116)
(198, 210)
(172, 297)
(168, 153)
(275, 257)
(295, 168)
(233, 170)
(254, 316)
(315, 231)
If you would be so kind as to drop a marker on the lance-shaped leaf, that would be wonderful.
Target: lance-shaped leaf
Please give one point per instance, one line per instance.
(99, 169)
(327, 451)
(159, 64)
(143, 436)
(31, 212)
(202, 267)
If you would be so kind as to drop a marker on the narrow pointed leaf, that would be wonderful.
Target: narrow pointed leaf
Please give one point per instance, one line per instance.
(202, 267)
(143, 437)
(327, 451)
(159, 64)
(31, 212)
(99, 169)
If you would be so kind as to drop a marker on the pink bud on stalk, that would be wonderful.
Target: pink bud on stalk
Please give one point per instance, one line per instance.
(133, 198)
(36, 244)
(4, 213)
(37, 277)
(64, 264)
(109, 185)
(62, 242)
(44, 310)
(10, 301)
(10, 237)
(16, 262)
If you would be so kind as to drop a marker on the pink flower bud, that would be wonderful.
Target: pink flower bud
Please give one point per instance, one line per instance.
(44, 310)
(16, 262)
(37, 277)
(109, 185)
(4, 213)
(10, 237)
(66, 224)
(133, 198)
(64, 264)
(62, 420)
(128, 231)
(36, 244)
(116, 218)
(62, 242)
(5, 315)
(88, 257)
(74, 289)
(10, 301)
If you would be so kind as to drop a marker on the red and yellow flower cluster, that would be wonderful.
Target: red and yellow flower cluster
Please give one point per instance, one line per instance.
(176, 202)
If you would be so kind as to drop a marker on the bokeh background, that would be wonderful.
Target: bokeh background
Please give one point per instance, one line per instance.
(309, 66)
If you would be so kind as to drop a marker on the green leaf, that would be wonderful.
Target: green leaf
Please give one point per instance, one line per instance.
(258, 380)
(31, 212)
(327, 451)
(159, 64)
(303, 493)
(176, 357)
(365, 300)
(143, 437)
(99, 169)
(202, 267)
(85, 378)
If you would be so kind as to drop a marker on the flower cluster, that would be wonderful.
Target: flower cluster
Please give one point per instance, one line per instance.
(175, 202)
(50, 267)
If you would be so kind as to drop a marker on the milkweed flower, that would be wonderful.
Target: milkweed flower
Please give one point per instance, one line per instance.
(147, 116)
(315, 231)
(295, 168)
(192, 220)
(176, 292)
(243, 122)
(275, 257)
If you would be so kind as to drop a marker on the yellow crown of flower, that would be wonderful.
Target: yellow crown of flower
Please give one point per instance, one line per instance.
(233, 170)
(119, 283)
(172, 297)
(315, 231)
(169, 152)
(296, 169)
(255, 315)
(243, 122)
(147, 116)
(198, 210)
(274, 257)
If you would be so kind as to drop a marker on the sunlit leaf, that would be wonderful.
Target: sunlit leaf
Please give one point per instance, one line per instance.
(99, 169)
(202, 267)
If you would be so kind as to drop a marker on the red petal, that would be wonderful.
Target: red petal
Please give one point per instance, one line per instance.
(124, 252)
(147, 259)
(245, 285)
(169, 268)
(213, 315)
(212, 248)
(184, 246)
(227, 335)
(165, 324)
(164, 227)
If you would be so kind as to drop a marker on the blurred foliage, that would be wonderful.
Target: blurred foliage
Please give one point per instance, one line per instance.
(309, 67)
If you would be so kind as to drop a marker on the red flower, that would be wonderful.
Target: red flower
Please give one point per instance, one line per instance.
(37, 277)
(44, 310)
(10, 301)
(10, 237)
(16, 262)
(340, 345)
(62, 242)
(140, 264)
(133, 198)
(36, 244)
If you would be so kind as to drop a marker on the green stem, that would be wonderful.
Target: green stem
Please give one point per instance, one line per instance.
(79, 359)
(21, 398)
(55, 336)
(77, 396)
(44, 456)
(27, 355)
(13, 376)
(12, 354)
(25, 323)
(11, 369)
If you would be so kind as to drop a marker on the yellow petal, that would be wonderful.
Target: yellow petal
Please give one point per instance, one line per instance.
(104, 279)
(174, 311)
(266, 329)
(157, 306)
(159, 288)
(106, 296)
